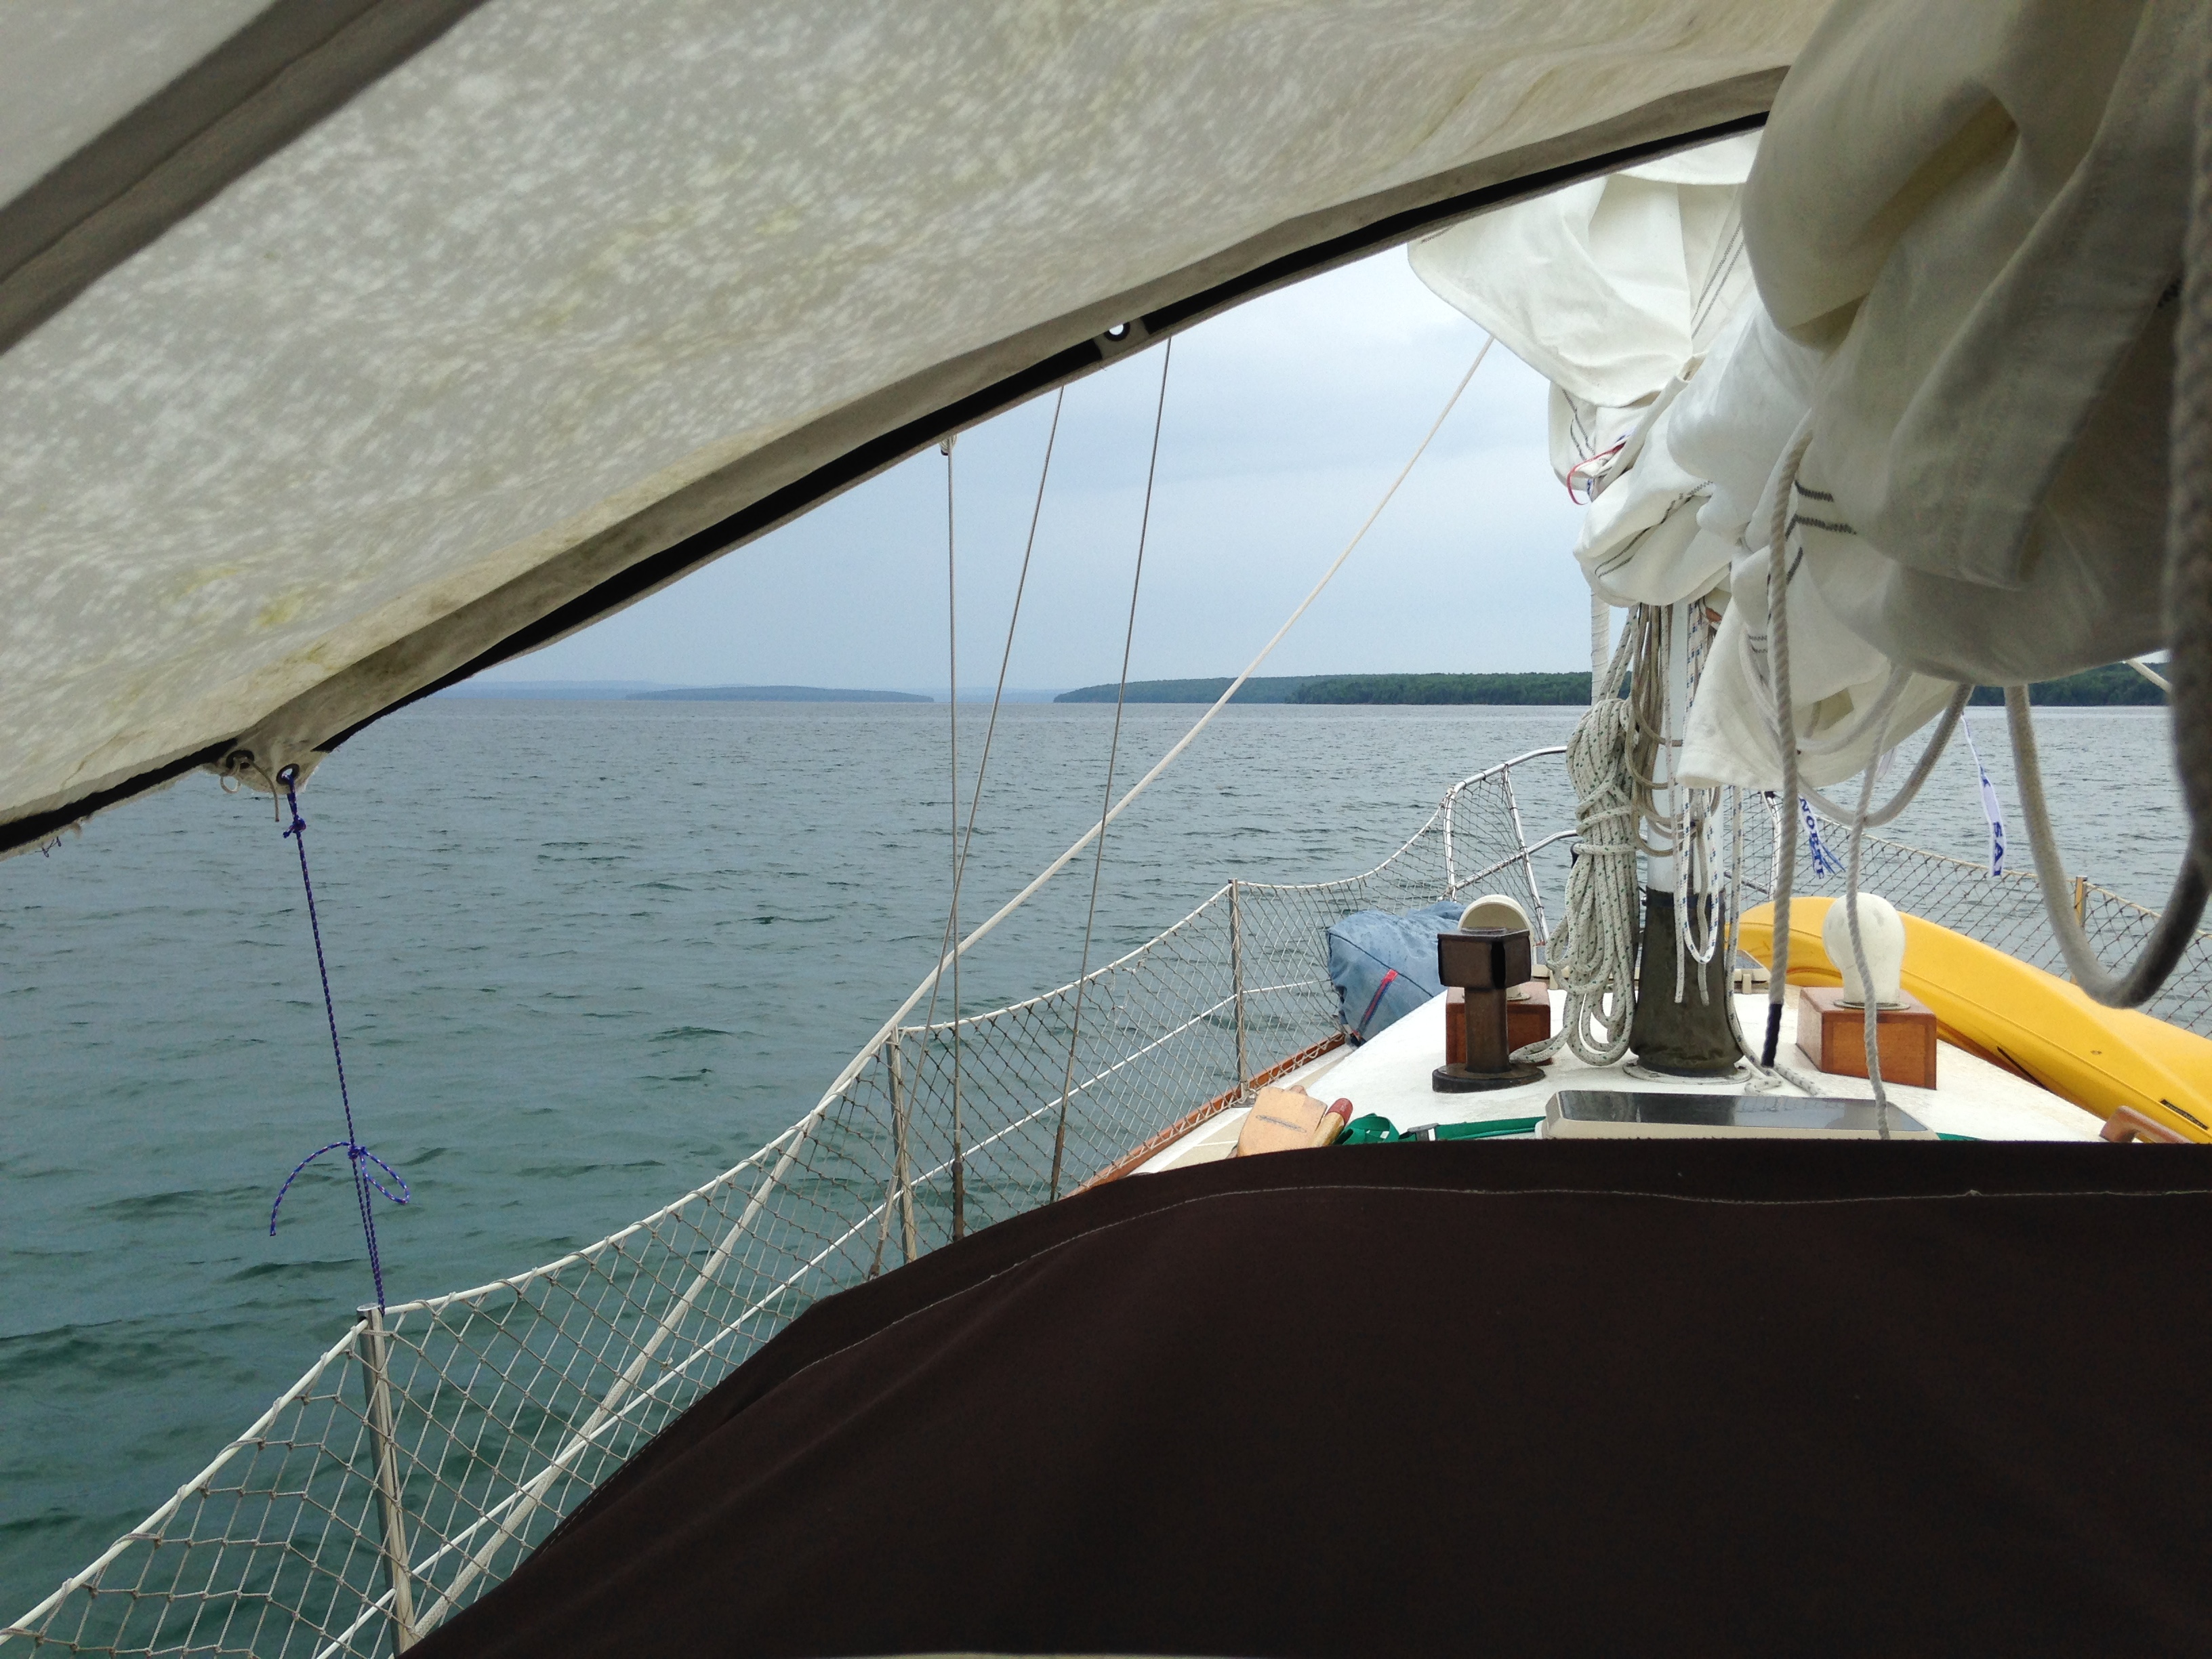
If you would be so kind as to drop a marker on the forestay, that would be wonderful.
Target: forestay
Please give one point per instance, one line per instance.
(353, 346)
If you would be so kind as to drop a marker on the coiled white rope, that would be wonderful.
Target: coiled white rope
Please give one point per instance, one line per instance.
(1593, 954)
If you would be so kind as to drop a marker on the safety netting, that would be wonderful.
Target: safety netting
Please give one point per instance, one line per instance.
(438, 1441)
(2001, 908)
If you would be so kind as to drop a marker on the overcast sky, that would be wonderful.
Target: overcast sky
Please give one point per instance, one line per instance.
(1285, 420)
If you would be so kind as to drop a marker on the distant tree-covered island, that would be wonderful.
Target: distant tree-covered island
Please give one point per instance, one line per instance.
(1494, 690)
(2114, 685)
(1562, 690)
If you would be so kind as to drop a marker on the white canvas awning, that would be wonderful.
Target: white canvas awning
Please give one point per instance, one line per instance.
(353, 345)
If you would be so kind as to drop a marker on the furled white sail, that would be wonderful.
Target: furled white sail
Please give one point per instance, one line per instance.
(1607, 289)
(1968, 238)
(1965, 223)
(1615, 290)
(351, 345)
(1980, 227)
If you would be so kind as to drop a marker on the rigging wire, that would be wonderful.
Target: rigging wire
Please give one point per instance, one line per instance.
(952, 923)
(1112, 753)
(967, 835)
(998, 697)
(852, 1068)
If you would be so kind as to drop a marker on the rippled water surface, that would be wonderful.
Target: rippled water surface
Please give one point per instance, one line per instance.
(586, 955)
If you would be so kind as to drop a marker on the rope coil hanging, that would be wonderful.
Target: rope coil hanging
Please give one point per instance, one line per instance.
(1593, 953)
(1780, 708)
(1695, 894)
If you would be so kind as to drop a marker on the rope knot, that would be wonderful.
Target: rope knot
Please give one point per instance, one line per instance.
(355, 1153)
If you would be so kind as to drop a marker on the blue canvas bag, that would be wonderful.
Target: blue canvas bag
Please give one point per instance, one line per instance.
(1385, 966)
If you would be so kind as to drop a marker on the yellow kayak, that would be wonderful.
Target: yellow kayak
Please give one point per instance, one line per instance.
(2035, 1024)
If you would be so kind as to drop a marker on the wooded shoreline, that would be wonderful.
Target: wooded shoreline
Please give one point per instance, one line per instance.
(2114, 685)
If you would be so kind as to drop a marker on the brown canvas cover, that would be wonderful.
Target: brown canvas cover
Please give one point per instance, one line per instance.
(1498, 1398)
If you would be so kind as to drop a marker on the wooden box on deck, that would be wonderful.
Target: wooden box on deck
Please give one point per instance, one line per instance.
(1525, 1022)
(1833, 1037)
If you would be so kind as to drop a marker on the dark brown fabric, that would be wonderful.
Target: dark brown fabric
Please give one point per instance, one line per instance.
(1498, 1398)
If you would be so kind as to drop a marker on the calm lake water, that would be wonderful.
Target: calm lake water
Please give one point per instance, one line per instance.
(586, 955)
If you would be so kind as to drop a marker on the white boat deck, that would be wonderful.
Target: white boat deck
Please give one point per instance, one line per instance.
(1389, 1075)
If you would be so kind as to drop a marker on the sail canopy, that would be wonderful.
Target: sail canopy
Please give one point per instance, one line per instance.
(347, 347)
